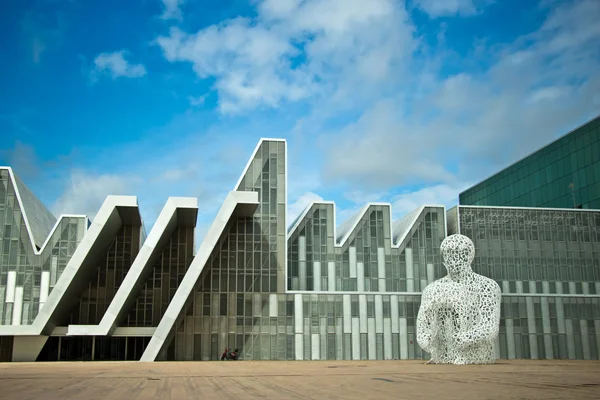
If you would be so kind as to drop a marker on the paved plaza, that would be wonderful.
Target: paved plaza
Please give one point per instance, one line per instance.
(300, 380)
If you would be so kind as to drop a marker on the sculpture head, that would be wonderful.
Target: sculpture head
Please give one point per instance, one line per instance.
(458, 253)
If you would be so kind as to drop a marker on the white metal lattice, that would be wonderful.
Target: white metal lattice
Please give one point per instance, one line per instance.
(459, 316)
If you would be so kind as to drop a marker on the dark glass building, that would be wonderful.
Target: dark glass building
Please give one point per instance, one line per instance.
(563, 174)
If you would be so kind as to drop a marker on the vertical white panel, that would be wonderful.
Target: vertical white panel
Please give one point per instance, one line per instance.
(11, 282)
(570, 339)
(299, 346)
(531, 328)
(298, 314)
(295, 283)
(339, 343)
(394, 313)
(585, 339)
(545, 287)
(423, 283)
(317, 275)
(560, 315)
(403, 339)
(546, 328)
(352, 256)
(302, 262)
(18, 306)
(510, 338)
(362, 312)
(597, 284)
(380, 263)
(410, 284)
(381, 269)
(315, 346)
(360, 279)
(387, 338)
(519, 286)
(497, 346)
(572, 288)
(273, 305)
(559, 287)
(331, 276)
(532, 288)
(378, 313)
(371, 339)
(347, 310)
(53, 270)
(44, 286)
(430, 273)
(355, 339)
(585, 287)
(505, 287)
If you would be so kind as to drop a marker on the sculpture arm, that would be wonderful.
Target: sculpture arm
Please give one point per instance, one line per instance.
(488, 326)
(426, 319)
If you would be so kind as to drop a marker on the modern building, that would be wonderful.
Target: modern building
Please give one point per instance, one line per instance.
(563, 174)
(547, 263)
(314, 291)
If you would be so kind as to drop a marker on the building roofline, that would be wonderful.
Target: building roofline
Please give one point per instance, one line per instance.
(11, 175)
(530, 154)
(528, 208)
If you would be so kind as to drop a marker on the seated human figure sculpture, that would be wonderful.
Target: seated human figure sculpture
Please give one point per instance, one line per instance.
(459, 316)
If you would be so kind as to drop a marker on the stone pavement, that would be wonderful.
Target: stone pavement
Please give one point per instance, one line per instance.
(300, 380)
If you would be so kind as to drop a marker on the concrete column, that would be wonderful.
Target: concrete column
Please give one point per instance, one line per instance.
(371, 339)
(410, 283)
(381, 269)
(331, 276)
(302, 262)
(394, 313)
(355, 338)
(18, 306)
(531, 328)
(273, 305)
(362, 312)
(378, 314)
(547, 328)
(510, 338)
(360, 279)
(347, 312)
(352, 256)
(11, 283)
(315, 346)
(317, 275)
(403, 338)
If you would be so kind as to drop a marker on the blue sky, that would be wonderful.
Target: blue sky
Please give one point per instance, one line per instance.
(380, 100)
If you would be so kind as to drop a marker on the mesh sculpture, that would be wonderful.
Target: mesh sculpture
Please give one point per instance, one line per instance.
(459, 316)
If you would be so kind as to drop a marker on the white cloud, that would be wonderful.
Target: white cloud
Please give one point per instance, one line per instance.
(85, 192)
(172, 9)
(442, 194)
(303, 201)
(296, 50)
(115, 65)
(467, 125)
(443, 8)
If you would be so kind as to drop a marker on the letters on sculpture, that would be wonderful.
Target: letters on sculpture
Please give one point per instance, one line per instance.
(459, 317)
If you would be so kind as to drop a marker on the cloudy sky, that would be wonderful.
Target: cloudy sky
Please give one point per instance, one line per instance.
(407, 102)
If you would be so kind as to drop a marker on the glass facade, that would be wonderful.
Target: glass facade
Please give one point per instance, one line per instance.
(370, 259)
(244, 269)
(315, 292)
(564, 174)
(547, 263)
(28, 275)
